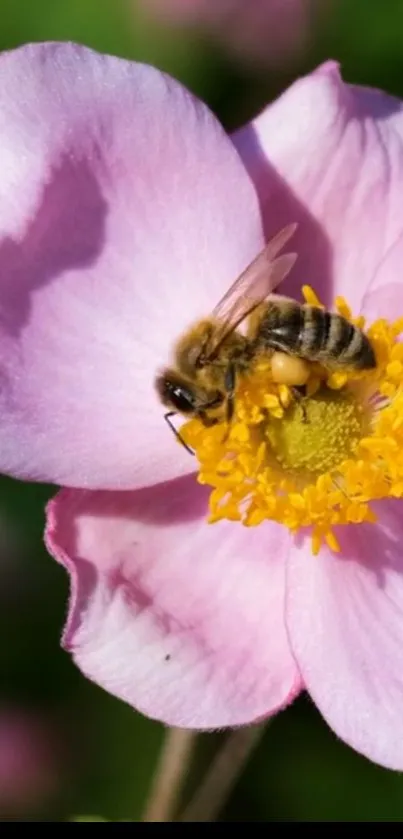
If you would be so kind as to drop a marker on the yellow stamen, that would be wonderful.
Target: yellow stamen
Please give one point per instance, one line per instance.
(329, 433)
(310, 296)
(316, 463)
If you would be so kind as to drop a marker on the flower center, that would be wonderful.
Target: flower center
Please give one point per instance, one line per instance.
(318, 435)
(313, 462)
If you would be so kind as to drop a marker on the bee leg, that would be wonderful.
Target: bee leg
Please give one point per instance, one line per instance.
(299, 394)
(230, 390)
(167, 418)
(229, 383)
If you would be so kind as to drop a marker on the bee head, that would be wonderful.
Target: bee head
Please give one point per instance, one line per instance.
(176, 393)
(180, 395)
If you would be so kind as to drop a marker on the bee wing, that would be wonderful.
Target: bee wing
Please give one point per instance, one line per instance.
(259, 279)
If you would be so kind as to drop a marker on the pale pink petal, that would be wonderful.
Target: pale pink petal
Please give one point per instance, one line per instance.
(125, 212)
(182, 620)
(345, 621)
(384, 297)
(331, 156)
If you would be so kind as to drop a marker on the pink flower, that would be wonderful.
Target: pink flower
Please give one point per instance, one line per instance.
(125, 213)
(269, 32)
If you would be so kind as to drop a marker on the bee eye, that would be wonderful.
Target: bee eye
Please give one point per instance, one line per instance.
(182, 399)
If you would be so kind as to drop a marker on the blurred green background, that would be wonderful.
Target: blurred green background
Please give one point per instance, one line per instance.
(66, 747)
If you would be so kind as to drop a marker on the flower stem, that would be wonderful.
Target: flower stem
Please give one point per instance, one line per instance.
(169, 776)
(222, 776)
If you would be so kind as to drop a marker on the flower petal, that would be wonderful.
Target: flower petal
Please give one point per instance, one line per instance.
(384, 297)
(181, 619)
(345, 619)
(330, 156)
(125, 213)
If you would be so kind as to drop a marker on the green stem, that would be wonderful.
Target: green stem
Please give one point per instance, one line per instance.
(169, 776)
(222, 776)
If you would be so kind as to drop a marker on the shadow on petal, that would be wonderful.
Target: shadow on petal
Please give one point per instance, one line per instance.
(375, 547)
(376, 104)
(66, 233)
(173, 502)
(279, 206)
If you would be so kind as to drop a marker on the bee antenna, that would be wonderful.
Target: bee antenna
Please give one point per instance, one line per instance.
(167, 418)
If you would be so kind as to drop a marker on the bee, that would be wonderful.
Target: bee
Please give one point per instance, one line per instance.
(309, 333)
(213, 353)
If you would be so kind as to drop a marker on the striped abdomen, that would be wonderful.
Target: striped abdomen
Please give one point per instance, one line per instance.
(314, 334)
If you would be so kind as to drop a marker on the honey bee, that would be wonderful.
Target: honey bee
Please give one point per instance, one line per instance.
(212, 353)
